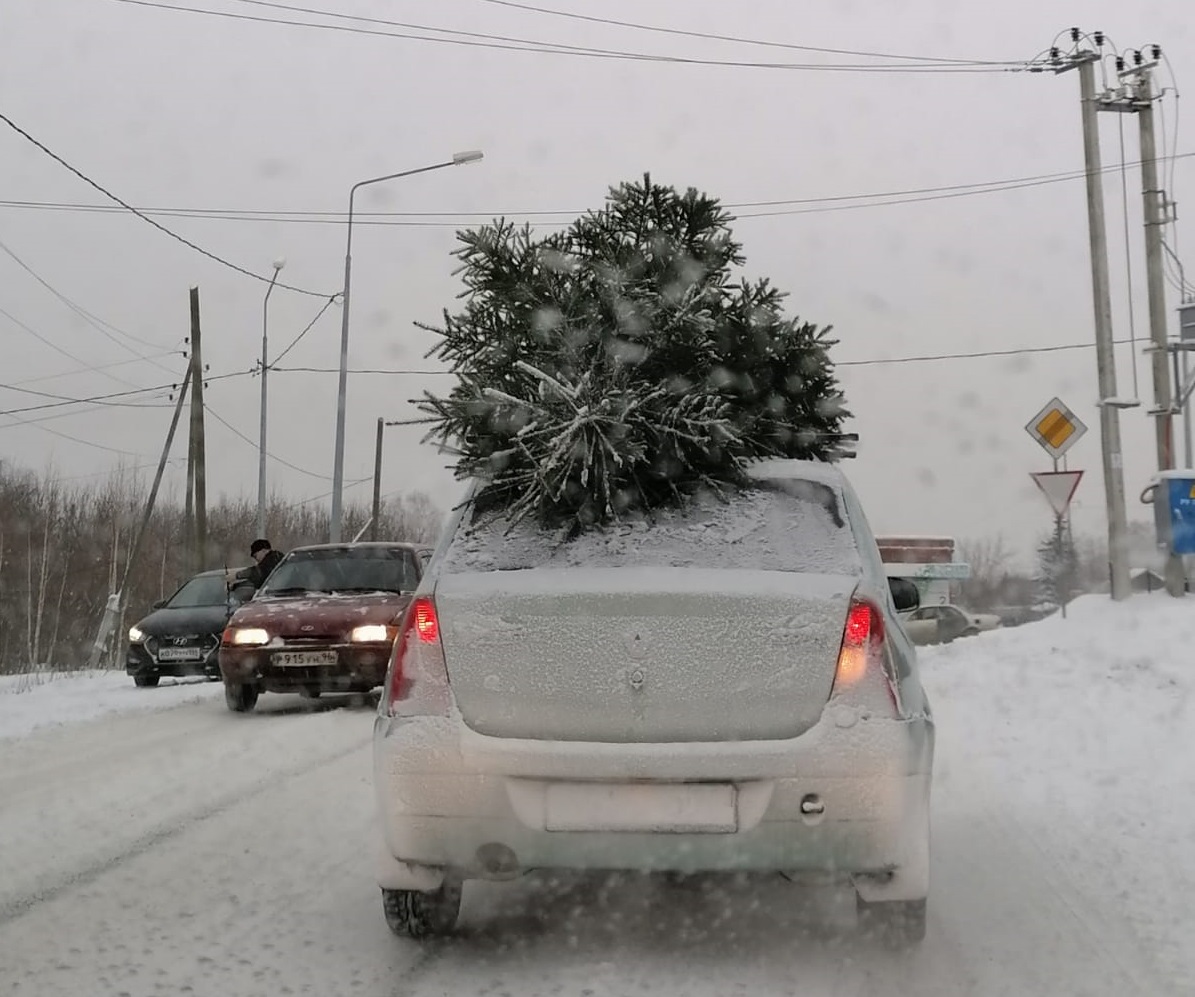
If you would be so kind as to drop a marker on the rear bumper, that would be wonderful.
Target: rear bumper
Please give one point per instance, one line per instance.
(846, 801)
(358, 667)
(138, 661)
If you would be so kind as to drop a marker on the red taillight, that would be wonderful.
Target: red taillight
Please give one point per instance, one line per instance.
(862, 660)
(418, 680)
(860, 622)
(427, 625)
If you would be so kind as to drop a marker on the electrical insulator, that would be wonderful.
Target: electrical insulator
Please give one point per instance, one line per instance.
(1055, 54)
(1120, 63)
(1156, 50)
(1138, 58)
(1075, 34)
(1099, 38)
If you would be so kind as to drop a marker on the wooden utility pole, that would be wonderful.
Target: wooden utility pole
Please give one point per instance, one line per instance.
(197, 441)
(189, 513)
(374, 523)
(119, 599)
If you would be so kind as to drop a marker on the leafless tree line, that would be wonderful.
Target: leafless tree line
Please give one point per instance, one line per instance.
(64, 547)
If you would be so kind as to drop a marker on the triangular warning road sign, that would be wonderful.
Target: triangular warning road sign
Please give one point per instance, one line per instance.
(1058, 487)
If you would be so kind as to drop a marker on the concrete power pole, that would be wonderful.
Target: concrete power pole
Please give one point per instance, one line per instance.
(197, 440)
(1113, 457)
(1155, 211)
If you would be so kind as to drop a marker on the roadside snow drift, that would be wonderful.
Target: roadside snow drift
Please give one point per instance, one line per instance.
(29, 702)
(1086, 725)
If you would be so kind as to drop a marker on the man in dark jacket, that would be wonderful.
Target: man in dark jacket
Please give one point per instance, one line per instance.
(265, 560)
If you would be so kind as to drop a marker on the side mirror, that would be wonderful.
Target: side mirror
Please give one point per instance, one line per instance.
(905, 594)
(160, 604)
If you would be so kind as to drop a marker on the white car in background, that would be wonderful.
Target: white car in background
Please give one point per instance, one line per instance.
(946, 623)
(725, 689)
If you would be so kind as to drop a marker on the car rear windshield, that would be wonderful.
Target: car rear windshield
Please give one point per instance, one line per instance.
(354, 569)
(205, 590)
(790, 525)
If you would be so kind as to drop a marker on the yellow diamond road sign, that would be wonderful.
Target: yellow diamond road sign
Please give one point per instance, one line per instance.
(1056, 428)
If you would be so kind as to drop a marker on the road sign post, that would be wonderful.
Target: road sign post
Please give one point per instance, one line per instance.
(1059, 488)
(1056, 429)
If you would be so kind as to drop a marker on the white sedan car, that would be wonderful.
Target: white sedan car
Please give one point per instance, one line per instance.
(725, 688)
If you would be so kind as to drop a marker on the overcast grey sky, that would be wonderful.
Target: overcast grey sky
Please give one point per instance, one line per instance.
(191, 111)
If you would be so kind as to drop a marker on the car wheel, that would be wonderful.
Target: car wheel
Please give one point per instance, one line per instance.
(146, 681)
(897, 924)
(240, 697)
(412, 914)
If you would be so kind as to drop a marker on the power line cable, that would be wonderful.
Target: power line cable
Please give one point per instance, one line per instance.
(295, 9)
(74, 412)
(89, 369)
(310, 325)
(146, 218)
(34, 424)
(58, 349)
(253, 443)
(738, 39)
(550, 48)
(60, 400)
(97, 323)
(872, 362)
(836, 202)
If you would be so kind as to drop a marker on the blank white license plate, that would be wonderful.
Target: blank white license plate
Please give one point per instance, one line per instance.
(180, 654)
(677, 809)
(300, 658)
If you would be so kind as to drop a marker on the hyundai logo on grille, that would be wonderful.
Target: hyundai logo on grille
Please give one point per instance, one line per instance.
(180, 641)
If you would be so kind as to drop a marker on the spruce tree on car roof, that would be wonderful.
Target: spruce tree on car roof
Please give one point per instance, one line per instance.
(619, 366)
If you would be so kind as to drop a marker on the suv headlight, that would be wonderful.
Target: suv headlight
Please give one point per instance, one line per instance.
(136, 635)
(249, 637)
(373, 633)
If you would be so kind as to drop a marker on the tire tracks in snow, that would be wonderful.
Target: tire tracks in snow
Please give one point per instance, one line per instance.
(14, 908)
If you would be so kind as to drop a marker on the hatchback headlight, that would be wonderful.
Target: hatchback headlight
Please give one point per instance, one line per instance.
(136, 635)
(373, 633)
(249, 637)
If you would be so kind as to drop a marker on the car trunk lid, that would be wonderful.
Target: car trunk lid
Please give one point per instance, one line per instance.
(642, 654)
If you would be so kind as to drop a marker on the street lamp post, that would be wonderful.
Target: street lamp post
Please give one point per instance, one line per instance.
(265, 366)
(458, 159)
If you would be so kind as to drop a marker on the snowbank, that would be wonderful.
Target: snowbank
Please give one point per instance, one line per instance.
(1086, 724)
(30, 702)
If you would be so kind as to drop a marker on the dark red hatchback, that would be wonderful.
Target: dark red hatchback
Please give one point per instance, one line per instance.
(325, 621)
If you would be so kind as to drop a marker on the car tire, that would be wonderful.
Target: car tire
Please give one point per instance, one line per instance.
(897, 924)
(240, 697)
(411, 914)
(146, 681)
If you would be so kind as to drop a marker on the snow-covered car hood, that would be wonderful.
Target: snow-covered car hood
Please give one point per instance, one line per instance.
(326, 614)
(167, 622)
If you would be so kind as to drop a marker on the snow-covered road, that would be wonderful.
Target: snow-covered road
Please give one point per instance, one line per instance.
(193, 851)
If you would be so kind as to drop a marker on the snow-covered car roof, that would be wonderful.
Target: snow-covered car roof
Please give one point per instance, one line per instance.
(777, 469)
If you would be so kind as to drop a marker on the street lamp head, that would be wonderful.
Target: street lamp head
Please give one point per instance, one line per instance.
(279, 263)
(472, 156)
